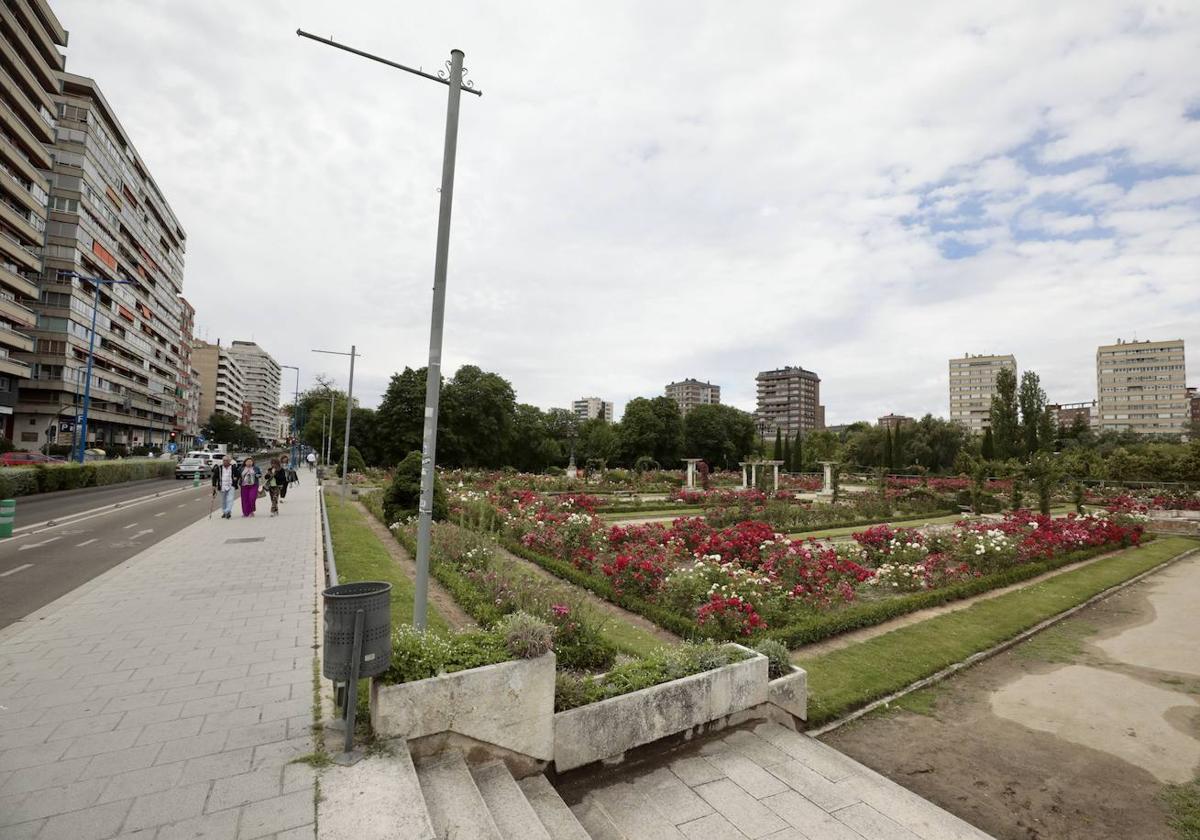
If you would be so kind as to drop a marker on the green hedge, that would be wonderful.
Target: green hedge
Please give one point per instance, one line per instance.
(48, 478)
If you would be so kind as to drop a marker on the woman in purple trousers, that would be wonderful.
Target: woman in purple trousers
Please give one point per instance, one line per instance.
(249, 485)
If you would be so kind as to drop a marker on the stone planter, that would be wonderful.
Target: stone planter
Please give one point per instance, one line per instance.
(509, 705)
(608, 728)
(790, 693)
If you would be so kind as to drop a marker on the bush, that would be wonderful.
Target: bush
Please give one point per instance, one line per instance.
(358, 465)
(402, 498)
(779, 662)
(525, 637)
(556, 471)
(418, 655)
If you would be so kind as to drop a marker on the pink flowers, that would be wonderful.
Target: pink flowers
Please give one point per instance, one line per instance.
(727, 617)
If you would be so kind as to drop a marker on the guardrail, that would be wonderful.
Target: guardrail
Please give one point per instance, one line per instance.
(331, 574)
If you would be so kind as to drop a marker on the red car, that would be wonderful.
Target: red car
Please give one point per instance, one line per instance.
(24, 459)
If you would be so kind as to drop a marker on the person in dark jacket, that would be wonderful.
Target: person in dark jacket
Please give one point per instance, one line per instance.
(225, 478)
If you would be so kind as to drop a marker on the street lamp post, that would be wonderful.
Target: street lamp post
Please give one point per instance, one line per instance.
(295, 417)
(353, 354)
(452, 77)
(96, 282)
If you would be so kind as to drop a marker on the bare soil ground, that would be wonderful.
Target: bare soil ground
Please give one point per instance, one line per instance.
(1071, 735)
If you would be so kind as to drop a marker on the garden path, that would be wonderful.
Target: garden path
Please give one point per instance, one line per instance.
(853, 637)
(455, 616)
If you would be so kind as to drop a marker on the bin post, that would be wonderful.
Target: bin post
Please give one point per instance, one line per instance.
(8, 512)
(352, 687)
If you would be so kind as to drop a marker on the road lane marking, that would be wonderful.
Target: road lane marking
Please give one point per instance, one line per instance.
(103, 510)
(130, 525)
(37, 545)
(164, 513)
(18, 569)
(142, 533)
(182, 505)
(85, 542)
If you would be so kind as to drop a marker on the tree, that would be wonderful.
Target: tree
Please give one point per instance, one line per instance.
(1047, 432)
(787, 454)
(478, 409)
(798, 453)
(400, 418)
(1005, 420)
(888, 457)
(823, 445)
(533, 447)
(357, 464)
(597, 440)
(720, 434)
(988, 450)
(402, 498)
(777, 454)
(221, 428)
(1032, 402)
(652, 427)
(934, 443)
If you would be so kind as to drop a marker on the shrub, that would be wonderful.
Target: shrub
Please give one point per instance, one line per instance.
(358, 465)
(779, 662)
(418, 655)
(666, 664)
(402, 498)
(525, 637)
(578, 641)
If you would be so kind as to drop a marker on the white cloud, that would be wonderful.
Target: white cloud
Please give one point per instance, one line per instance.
(652, 191)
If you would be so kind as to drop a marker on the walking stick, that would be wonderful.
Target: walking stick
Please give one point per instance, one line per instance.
(212, 500)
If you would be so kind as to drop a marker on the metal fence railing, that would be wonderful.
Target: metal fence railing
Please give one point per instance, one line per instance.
(331, 574)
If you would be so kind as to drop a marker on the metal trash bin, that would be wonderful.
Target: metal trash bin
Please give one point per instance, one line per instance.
(358, 638)
(8, 513)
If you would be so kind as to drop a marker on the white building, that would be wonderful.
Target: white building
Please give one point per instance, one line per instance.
(1142, 387)
(261, 390)
(589, 408)
(972, 385)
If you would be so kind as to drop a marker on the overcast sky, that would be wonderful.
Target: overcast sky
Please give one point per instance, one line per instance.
(653, 191)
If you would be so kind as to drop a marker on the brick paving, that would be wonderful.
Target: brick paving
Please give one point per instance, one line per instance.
(168, 697)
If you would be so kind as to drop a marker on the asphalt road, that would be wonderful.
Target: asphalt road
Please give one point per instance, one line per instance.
(36, 568)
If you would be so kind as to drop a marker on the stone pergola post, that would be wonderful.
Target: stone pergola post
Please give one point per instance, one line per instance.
(743, 465)
(775, 477)
(691, 472)
(827, 490)
(754, 473)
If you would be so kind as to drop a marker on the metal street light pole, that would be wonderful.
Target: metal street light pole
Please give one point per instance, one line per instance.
(295, 417)
(453, 78)
(349, 408)
(96, 282)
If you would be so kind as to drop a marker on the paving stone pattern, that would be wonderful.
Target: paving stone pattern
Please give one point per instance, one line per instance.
(168, 697)
(764, 782)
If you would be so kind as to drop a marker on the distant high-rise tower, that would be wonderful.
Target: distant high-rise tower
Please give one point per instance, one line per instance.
(1141, 387)
(690, 393)
(972, 385)
(789, 400)
(590, 408)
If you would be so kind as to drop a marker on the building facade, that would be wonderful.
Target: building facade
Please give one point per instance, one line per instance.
(1194, 402)
(894, 421)
(222, 382)
(108, 221)
(187, 412)
(690, 393)
(262, 375)
(1067, 414)
(789, 400)
(589, 408)
(972, 386)
(30, 61)
(1141, 387)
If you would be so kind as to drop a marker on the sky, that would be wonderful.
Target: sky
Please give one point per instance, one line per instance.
(651, 192)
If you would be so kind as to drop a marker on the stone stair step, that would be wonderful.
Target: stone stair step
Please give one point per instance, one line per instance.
(378, 799)
(510, 810)
(595, 822)
(551, 810)
(633, 814)
(456, 808)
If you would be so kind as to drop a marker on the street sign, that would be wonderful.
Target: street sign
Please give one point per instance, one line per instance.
(172, 446)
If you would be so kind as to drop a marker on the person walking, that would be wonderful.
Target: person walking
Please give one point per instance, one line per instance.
(249, 484)
(276, 479)
(285, 466)
(312, 461)
(225, 477)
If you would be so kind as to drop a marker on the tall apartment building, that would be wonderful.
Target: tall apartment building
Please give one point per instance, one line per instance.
(107, 220)
(972, 385)
(589, 408)
(222, 381)
(1194, 401)
(30, 61)
(690, 393)
(1141, 387)
(894, 421)
(187, 409)
(262, 387)
(789, 400)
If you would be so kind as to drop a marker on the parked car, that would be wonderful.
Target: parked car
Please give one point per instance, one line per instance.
(192, 467)
(25, 459)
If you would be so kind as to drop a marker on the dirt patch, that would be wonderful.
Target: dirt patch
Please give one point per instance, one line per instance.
(1043, 770)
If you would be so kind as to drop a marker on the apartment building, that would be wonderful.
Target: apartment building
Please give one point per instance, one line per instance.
(589, 408)
(894, 421)
(261, 393)
(1194, 402)
(789, 400)
(1067, 414)
(972, 385)
(689, 393)
(222, 381)
(1141, 387)
(30, 61)
(187, 408)
(107, 221)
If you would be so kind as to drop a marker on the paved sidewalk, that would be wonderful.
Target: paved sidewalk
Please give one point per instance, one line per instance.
(167, 697)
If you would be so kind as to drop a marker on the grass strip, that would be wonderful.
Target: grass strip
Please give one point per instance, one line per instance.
(650, 513)
(907, 521)
(361, 556)
(1183, 803)
(846, 679)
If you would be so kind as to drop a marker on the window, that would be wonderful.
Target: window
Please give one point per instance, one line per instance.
(29, 437)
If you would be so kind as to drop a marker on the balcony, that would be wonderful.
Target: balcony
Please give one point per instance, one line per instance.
(17, 251)
(35, 152)
(11, 340)
(11, 366)
(16, 282)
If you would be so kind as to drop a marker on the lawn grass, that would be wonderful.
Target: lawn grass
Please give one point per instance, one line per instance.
(1183, 805)
(651, 513)
(846, 679)
(947, 519)
(361, 556)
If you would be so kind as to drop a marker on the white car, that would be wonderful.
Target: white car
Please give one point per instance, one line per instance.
(192, 467)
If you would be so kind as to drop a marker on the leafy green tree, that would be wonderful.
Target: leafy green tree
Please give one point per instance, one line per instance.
(400, 418)
(720, 434)
(652, 427)
(1047, 432)
(1032, 401)
(402, 498)
(933, 443)
(798, 453)
(777, 453)
(889, 457)
(475, 428)
(533, 447)
(787, 454)
(822, 445)
(988, 449)
(599, 441)
(1005, 417)
(357, 464)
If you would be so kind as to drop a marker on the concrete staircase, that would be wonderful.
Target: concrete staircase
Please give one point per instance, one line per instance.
(454, 801)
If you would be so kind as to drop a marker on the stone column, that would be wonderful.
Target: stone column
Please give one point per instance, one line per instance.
(775, 467)
(828, 488)
(691, 472)
(754, 474)
(743, 476)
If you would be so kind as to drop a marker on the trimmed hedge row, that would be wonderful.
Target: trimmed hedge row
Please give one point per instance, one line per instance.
(47, 478)
(817, 627)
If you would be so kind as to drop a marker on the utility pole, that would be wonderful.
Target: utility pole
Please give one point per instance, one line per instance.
(349, 408)
(453, 78)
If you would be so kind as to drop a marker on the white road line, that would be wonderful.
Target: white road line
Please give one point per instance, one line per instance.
(142, 533)
(182, 505)
(18, 569)
(37, 545)
(164, 513)
(85, 542)
(130, 525)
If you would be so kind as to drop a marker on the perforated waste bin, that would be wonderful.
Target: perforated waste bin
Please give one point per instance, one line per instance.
(8, 512)
(342, 604)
